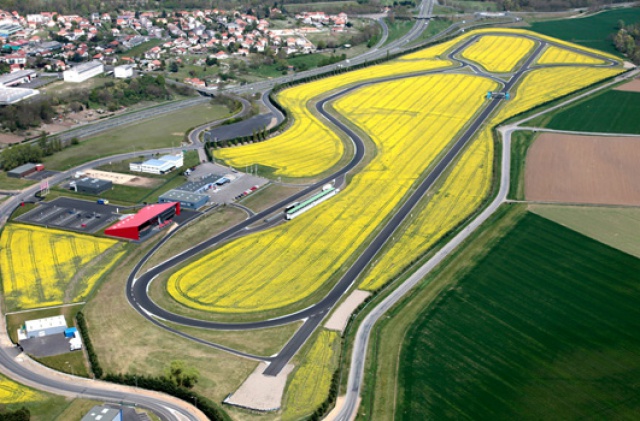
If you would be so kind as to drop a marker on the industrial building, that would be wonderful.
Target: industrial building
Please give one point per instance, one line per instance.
(162, 165)
(88, 185)
(45, 327)
(202, 185)
(16, 78)
(123, 72)
(103, 413)
(8, 29)
(186, 199)
(25, 170)
(83, 72)
(10, 96)
(141, 224)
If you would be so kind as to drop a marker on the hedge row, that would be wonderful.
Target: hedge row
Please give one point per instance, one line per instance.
(159, 384)
(165, 385)
(93, 358)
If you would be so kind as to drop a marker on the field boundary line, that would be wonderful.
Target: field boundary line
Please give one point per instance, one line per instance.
(547, 130)
(46, 308)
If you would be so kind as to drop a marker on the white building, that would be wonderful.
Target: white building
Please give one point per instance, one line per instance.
(123, 72)
(44, 327)
(83, 71)
(162, 165)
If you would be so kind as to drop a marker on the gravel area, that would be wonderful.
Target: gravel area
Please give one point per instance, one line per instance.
(340, 317)
(260, 392)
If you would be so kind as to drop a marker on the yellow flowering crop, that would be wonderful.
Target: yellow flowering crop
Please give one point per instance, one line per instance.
(469, 182)
(411, 121)
(309, 147)
(543, 85)
(461, 193)
(12, 392)
(309, 386)
(39, 265)
(499, 54)
(556, 55)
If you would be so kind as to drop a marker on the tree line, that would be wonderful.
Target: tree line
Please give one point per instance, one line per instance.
(627, 40)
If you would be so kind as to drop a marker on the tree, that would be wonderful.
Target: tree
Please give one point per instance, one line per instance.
(181, 374)
(173, 67)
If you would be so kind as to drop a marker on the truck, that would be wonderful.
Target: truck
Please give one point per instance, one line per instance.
(102, 202)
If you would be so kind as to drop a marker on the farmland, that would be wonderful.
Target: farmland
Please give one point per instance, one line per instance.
(288, 152)
(583, 169)
(499, 54)
(469, 182)
(543, 326)
(609, 112)
(592, 32)
(45, 267)
(14, 393)
(615, 227)
(309, 385)
(556, 55)
(410, 130)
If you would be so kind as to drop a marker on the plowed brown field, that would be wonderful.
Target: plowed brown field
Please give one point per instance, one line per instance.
(584, 169)
(633, 86)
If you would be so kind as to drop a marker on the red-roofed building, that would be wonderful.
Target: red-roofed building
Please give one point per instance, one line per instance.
(134, 227)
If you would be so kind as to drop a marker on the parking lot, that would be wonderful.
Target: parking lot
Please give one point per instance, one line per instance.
(46, 346)
(230, 192)
(72, 214)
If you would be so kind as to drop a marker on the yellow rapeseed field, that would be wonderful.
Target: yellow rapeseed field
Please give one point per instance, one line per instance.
(461, 193)
(499, 54)
(289, 153)
(309, 386)
(12, 392)
(39, 265)
(469, 182)
(556, 55)
(411, 121)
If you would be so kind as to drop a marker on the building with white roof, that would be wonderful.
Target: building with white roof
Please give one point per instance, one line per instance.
(123, 72)
(83, 71)
(13, 95)
(162, 165)
(44, 327)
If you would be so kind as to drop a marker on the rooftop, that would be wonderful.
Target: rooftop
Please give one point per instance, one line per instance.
(145, 214)
(192, 186)
(13, 95)
(48, 322)
(183, 196)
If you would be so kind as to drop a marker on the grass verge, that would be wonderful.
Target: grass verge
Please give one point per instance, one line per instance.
(521, 141)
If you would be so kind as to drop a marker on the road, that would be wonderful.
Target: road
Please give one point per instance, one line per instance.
(137, 287)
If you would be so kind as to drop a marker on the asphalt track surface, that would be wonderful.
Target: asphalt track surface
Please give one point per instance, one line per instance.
(313, 315)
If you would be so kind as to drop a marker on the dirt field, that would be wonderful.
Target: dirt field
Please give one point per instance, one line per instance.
(124, 179)
(633, 86)
(583, 169)
(8, 139)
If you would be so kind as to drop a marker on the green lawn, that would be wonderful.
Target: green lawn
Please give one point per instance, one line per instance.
(593, 31)
(166, 130)
(609, 112)
(71, 362)
(142, 48)
(521, 141)
(397, 29)
(545, 326)
(9, 183)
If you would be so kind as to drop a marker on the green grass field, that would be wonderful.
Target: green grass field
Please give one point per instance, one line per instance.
(543, 327)
(616, 227)
(521, 141)
(164, 131)
(9, 183)
(593, 31)
(398, 29)
(609, 112)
